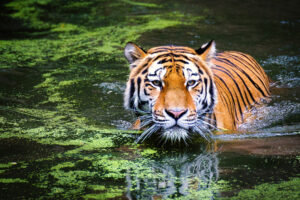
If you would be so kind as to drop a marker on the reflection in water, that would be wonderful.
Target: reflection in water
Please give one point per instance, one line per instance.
(179, 175)
(271, 146)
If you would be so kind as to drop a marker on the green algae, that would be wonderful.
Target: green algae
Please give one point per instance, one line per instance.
(205, 194)
(78, 47)
(103, 192)
(99, 42)
(69, 57)
(63, 165)
(73, 45)
(268, 191)
(7, 165)
(143, 4)
(148, 151)
(10, 180)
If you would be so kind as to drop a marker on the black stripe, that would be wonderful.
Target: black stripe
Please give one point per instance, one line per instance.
(139, 86)
(225, 100)
(138, 92)
(201, 92)
(237, 97)
(254, 63)
(199, 69)
(145, 71)
(185, 57)
(197, 84)
(144, 65)
(212, 93)
(131, 92)
(204, 86)
(214, 120)
(245, 85)
(228, 73)
(164, 61)
(144, 103)
(155, 72)
(160, 56)
(248, 65)
(146, 93)
(224, 60)
(204, 104)
(233, 101)
(182, 61)
(257, 66)
(254, 83)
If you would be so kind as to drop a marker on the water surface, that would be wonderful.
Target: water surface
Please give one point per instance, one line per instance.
(65, 135)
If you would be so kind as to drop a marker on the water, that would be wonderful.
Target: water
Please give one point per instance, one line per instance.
(65, 135)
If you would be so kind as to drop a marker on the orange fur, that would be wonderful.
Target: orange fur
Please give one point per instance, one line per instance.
(238, 82)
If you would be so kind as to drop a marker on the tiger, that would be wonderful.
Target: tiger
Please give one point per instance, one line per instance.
(177, 91)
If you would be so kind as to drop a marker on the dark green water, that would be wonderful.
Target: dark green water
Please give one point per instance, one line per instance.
(63, 130)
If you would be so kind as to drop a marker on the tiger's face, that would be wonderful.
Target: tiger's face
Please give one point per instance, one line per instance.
(172, 88)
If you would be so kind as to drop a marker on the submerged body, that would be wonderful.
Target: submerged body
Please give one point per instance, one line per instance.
(179, 91)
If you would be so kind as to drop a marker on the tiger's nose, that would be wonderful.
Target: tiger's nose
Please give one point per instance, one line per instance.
(176, 113)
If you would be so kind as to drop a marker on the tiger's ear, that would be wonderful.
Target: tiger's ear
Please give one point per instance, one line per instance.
(207, 50)
(132, 52)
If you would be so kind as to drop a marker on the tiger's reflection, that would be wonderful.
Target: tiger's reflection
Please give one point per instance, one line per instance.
(178, 175)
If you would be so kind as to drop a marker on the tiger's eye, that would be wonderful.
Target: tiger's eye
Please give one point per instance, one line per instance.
(156, 83)
(191, 82)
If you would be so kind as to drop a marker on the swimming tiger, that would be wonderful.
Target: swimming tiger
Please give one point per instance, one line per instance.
(177, 91)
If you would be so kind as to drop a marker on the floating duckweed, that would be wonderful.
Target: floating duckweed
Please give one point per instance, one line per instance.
(135, 3)
(63, 165)
(103, 192)
(148, 151)
(7, 165)
(52, 59)
(288, 190)
(12, 180)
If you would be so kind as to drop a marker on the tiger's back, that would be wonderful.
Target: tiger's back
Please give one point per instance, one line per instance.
(241, 83)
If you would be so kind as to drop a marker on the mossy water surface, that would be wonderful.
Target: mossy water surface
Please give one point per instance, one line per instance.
(62, 74)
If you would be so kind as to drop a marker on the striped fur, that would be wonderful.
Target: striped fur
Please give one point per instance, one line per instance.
(177, 90)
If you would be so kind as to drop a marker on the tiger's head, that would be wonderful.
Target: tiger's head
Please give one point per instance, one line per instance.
(172, 88)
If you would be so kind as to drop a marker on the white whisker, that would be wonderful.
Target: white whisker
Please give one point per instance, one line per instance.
(208, 124)
(175, 134)
(146, 123)
(147, 133)
(204, 117)
(199, 131)
(143, 117)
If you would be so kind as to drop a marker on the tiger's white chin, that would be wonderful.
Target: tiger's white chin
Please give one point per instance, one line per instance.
(175, 134)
